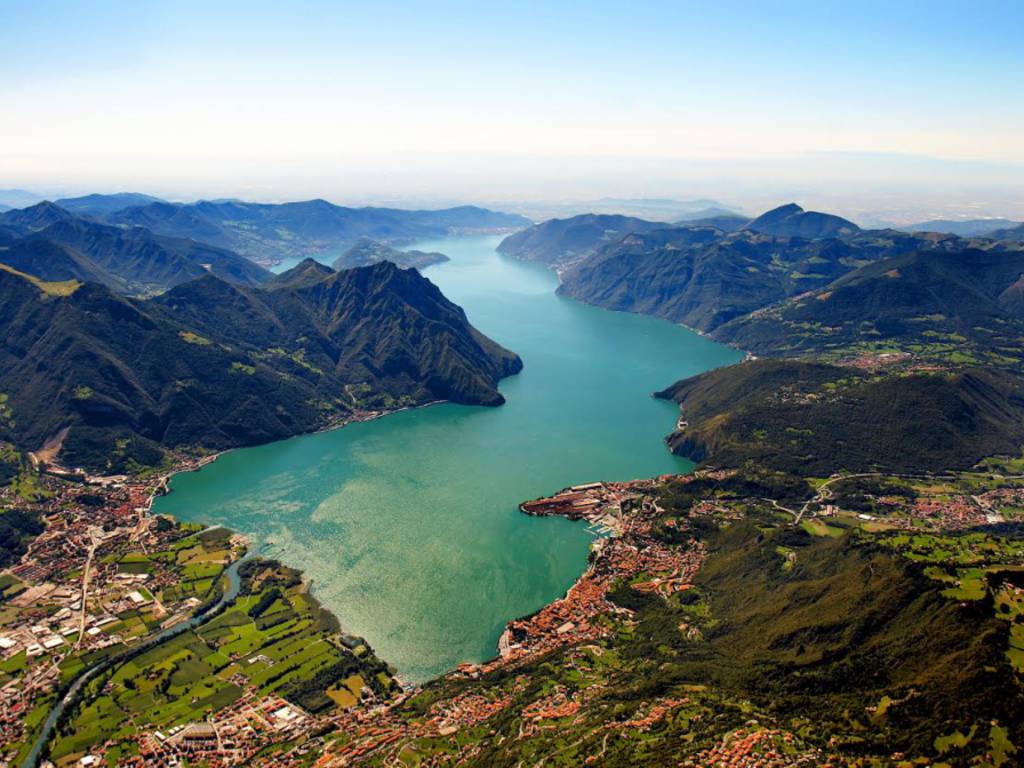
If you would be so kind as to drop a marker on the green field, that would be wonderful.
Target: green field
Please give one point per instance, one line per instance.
(186, 678)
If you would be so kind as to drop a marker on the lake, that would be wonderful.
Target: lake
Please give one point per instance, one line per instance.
(408, 525)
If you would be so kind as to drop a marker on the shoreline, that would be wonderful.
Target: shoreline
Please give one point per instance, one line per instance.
(598, 525)
(162, 487)
(573, 620)
(559, 271)
(196, 464)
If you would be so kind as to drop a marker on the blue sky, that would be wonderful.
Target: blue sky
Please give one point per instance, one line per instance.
(498, 97)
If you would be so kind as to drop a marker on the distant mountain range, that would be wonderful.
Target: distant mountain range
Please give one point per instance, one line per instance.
(18, 198)
(114, 380)
(651, 208)
(562, 242)
(725, 221)
(711, 212)
(269, 233)
(1014, 234)
(24, 221)
(963, 227)
(734, 283)
(53, 244)
(264, 232)
(104, 205)
(704, 277)
(152, 245)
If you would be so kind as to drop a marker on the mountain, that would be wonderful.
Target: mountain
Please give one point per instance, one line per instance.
(710, 212)
(1015, 234)
(647, 208)
(966, 305)
(962, 227)
(4, 208)
(24, 221)
(132, 261)
(562, 242)
(687, 275)
(704, 277)
(723, 220)
(50, 262)
(366, 251)
(18, 198)
(303, 274)
(656, 208)
(269, 232)
(464, 219)
(750, 289)
(793, 221)
(216, 365)
(815, 419)
(104, 205)
(565, 243)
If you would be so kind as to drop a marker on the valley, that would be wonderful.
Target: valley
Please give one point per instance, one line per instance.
(436, 385)
(851, 528)
(437, 489)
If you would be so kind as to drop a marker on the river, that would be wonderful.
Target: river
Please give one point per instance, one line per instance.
(230, 593)
(408, 525)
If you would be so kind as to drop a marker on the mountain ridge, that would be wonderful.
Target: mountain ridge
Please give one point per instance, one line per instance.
(269, 232)
(104, 204)
(58, 245)
(215, 365)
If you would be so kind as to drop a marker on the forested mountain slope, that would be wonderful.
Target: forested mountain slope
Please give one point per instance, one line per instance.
(216, 365)
(132, 261)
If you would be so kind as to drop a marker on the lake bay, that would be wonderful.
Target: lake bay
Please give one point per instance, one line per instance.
(408, 525)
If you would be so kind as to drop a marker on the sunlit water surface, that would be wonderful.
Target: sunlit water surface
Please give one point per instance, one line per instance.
(408, 525)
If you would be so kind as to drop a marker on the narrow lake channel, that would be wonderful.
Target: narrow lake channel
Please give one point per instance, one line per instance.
(408, 525)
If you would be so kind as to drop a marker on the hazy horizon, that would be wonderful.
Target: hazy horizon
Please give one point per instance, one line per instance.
(879, 112)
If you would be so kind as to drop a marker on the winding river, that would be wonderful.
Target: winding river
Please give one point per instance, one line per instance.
(50, 724)
(408, 525)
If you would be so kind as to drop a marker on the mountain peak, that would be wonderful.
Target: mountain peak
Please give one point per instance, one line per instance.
(35, 217)
(791, 220)
(789, 209)
(307, 272)
(102, 205)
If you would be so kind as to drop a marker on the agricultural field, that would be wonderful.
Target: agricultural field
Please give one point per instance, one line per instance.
(94, 586)
(274, 639)
(961, 530)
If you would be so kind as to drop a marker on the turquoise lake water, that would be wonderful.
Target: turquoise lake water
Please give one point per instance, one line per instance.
(409, 525)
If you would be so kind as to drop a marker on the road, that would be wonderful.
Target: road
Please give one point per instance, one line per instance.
(821, 495)
(32, 760)
(85, 589)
